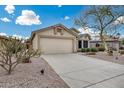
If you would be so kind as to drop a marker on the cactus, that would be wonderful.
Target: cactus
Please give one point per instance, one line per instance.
(13, 52)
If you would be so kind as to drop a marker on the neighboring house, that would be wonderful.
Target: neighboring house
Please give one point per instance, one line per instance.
(55, 39)
(2, 38)
(60, 39)
(113, 44)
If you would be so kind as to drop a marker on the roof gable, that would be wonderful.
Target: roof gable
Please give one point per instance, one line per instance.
(85, 36)
(51, 27)
(75, 30)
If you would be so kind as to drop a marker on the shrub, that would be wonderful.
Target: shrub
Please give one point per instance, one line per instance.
(14, 49)
(83, 50)
(29, 53)
(87, 49)
(94, 50)
(101, 49)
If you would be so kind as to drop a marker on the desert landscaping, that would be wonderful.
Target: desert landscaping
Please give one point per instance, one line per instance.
(104, 56)
(28, 75)
(87, 51)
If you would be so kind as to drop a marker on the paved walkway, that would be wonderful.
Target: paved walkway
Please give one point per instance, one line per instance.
(81, 71)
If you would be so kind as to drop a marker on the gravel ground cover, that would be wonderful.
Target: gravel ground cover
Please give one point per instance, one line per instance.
(104, 56)
(28, 75)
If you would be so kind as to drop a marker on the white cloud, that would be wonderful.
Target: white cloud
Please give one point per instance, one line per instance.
(5, 19)
(17, 36)
(28, 17)
(26, 38)
(10, 9)
(122, 36)
(86, 30)
(66, 17)
(119, 20)
(3, 34)
(14, 36)
(59, 5)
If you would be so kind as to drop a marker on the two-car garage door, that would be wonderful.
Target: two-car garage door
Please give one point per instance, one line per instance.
(56, 45)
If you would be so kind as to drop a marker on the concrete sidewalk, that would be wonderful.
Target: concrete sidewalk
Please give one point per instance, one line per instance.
(81, 71)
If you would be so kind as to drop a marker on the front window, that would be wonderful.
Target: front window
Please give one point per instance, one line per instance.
(85, 44)
(79, 44)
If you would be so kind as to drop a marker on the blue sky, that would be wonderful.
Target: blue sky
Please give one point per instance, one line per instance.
(48, 15)
(22, 20)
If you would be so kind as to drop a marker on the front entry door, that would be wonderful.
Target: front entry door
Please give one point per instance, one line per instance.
(85, 44)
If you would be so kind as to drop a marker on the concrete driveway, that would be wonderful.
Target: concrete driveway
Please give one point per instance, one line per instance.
(81, 71)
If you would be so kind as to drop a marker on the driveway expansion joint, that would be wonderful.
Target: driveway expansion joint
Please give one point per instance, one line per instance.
(104, 80)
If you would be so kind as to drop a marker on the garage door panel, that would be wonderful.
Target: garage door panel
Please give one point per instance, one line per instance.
(53, 45)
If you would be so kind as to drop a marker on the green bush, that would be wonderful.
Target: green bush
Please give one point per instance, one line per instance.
(18, 49)
(94, 50)
(101, 49)
(87, 49)
(83, 50)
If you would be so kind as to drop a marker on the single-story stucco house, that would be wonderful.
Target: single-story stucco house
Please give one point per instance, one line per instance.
(60, 39)
(55, 39)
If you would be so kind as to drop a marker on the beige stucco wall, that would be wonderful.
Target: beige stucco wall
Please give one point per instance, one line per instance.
(66, 40)
(114, 45)
(93, 45)
(50, 32)
(84, 38)
(35, 42)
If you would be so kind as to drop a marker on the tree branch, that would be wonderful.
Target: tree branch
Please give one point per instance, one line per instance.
(4, 67)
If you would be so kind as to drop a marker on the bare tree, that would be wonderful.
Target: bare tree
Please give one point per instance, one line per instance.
(13, 52)
(102, 19)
